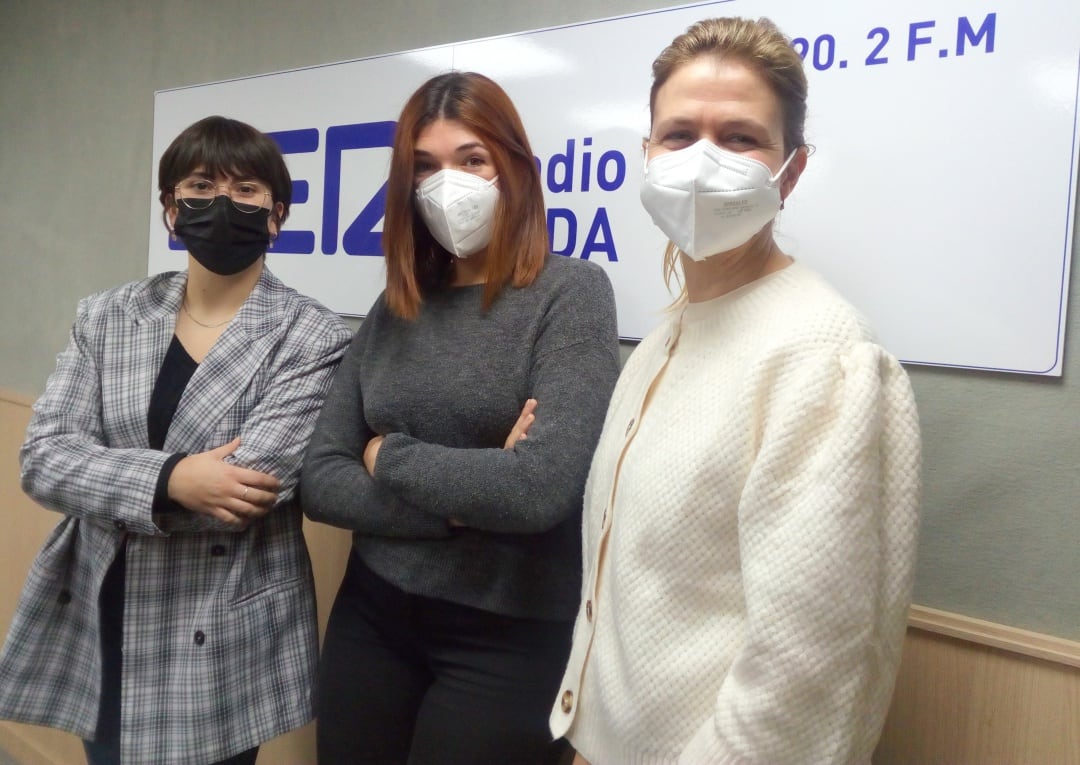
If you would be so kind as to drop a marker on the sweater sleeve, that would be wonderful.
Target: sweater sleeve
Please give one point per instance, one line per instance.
(827, 531)
(275, 433)
(335, 487)
(66, 462)
(539, 483)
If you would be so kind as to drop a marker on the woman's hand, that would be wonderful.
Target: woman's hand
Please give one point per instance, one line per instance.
(579, 760)
(521, 427)
(371, 452)
(204, 483)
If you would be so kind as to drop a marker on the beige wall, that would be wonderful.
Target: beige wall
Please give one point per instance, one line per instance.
(956, 702)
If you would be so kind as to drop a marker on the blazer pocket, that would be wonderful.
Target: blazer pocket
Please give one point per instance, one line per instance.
(269, 589)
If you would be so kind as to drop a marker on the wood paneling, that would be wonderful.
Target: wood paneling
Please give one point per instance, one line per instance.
(961, 703)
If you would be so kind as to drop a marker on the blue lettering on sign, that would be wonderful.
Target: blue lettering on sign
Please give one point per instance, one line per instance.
(598, 240)
(570, 171)
(915, 40)
(875, 56)
(562, 169)
(607, 160)
(964, 32)
(554, 215)
(303, 141)
(825, 51)
(359, 237)
(564, 163)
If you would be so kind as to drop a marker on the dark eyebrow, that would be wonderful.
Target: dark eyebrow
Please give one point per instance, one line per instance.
(732, 124)
(748, 125)
(237, 178)
(465, 147)
(679, 122)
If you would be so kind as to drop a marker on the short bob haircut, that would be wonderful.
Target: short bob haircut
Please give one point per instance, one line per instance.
(415, 262)
(223, 146)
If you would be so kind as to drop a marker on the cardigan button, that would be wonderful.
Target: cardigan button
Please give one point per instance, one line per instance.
(120, 525)
(567, 701)
(588, 610)
(200, 637)
(63, 598)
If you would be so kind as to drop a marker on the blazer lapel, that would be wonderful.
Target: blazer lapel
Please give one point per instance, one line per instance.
(134, 356)
(226, 372)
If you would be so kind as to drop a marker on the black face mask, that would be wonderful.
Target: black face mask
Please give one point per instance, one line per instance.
(221, 238)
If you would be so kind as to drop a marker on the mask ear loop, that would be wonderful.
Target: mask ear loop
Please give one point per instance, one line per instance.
(784, 166)
(780, 172)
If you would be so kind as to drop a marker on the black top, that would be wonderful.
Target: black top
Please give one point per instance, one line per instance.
(172, 379)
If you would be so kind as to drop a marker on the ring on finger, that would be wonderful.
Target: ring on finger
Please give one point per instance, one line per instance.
(244, 495)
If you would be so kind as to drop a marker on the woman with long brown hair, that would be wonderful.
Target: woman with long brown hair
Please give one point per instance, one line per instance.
(452, 625)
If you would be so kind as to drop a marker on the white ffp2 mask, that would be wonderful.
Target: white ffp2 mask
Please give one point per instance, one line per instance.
(709, 200)
(458, 209)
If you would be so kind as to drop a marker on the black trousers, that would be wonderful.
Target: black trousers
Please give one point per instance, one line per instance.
(409, 679)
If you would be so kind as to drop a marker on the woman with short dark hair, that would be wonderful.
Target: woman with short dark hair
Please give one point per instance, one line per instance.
(170, 617)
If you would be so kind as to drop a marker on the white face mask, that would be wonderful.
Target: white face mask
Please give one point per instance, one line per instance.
(708, 200)
(458, 209)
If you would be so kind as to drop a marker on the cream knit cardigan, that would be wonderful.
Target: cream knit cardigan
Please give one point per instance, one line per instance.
(749, 539)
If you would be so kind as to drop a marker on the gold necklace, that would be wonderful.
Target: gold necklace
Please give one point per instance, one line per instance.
(183, 304)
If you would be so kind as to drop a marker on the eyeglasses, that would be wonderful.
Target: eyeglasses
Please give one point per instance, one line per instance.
(199, 193)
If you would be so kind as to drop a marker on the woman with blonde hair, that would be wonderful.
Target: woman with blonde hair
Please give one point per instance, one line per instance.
(751, 512)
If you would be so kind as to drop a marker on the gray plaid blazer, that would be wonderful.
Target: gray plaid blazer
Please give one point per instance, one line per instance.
(220, 640)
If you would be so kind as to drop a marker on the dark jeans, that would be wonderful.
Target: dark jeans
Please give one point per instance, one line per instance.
(409, 679)
(105, 748)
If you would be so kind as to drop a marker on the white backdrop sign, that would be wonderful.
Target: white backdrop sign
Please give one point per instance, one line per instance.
(940, 197)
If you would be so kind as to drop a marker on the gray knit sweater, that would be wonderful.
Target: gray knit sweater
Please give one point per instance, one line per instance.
(445, 391)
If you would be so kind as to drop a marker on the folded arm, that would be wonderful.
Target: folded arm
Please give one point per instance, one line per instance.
(539, 482)
(336, 488)
(65, 463)
(262, 469)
